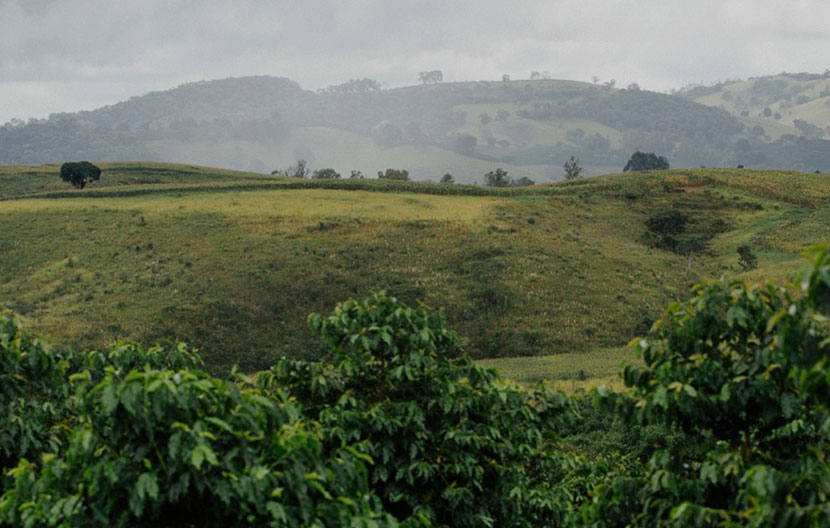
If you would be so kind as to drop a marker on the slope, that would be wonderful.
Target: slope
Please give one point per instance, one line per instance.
(529, 127)
(234, 266)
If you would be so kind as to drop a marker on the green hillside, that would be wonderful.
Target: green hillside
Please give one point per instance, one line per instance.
(530, 128)
(797, 104)
(233, 262)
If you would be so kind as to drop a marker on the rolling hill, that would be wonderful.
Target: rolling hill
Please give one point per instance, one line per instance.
(787, 103)
(262, 124)
(233, 262)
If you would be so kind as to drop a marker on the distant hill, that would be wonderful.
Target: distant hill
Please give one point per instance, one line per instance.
(789, 109)
(527, 127)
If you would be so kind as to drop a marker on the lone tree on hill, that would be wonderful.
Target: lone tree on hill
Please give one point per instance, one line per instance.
(641, 161)
(572, 168)
(447, 178)
(497, 178)
(79, 173)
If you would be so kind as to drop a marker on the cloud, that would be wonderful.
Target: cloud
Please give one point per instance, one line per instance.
(58, 55)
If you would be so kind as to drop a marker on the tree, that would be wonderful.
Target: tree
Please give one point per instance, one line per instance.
(325, 174)
(79, 173)
(641, 161)
(447, 178)
(572, 168)
(296, 171)
(534, 75)
(505, 78)
(431, 77)
(356, 175)
(497, 178)
(394, 174)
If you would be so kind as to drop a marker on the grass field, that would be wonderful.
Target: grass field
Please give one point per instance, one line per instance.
(556, 271)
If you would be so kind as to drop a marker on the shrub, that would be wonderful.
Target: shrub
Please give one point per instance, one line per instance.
(453, 444)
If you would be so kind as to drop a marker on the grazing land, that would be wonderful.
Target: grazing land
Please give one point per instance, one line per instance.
(233, 262)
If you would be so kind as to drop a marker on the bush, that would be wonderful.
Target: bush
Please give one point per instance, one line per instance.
(453, 444)
(743, 373)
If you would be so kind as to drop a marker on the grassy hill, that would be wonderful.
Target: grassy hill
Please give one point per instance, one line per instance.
(530, 128)
(797, 104)
(233, 262)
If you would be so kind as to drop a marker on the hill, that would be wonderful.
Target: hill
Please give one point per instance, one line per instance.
(530, 128)
(790, 110)
(233, 262)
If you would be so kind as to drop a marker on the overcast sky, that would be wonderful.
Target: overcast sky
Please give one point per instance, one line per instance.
(69, 55)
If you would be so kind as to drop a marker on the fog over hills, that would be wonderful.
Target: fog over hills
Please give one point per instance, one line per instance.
(529, 127)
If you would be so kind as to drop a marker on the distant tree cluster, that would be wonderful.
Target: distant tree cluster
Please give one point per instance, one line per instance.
(499, 178)
(394, 174)
(325, 174)
(364, 85)
(642, 161)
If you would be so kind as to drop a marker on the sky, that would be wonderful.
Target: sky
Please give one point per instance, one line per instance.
(71, 55)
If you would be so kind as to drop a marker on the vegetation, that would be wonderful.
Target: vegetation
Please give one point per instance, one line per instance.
(641, 161)
(573, 169)
(401, 428)
(80, 173)
(325, 174)
(394, 174)
(746, 257)
(497, 178)
(504, 262)
(533, 128)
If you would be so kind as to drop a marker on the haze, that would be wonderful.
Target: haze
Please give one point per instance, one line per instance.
(70, 55)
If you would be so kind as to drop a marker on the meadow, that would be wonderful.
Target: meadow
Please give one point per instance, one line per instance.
(557, 275)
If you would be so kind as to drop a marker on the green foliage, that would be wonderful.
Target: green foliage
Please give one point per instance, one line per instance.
(727, 423)
(394, 174)
(641, 161)
(573, 169)
(497, 178)
(80, 173)
(731, 369)
(447, 178)
(453, 444)
(136, 445)
(325, 174)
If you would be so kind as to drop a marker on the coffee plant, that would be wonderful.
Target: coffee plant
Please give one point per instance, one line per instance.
(726, 423)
